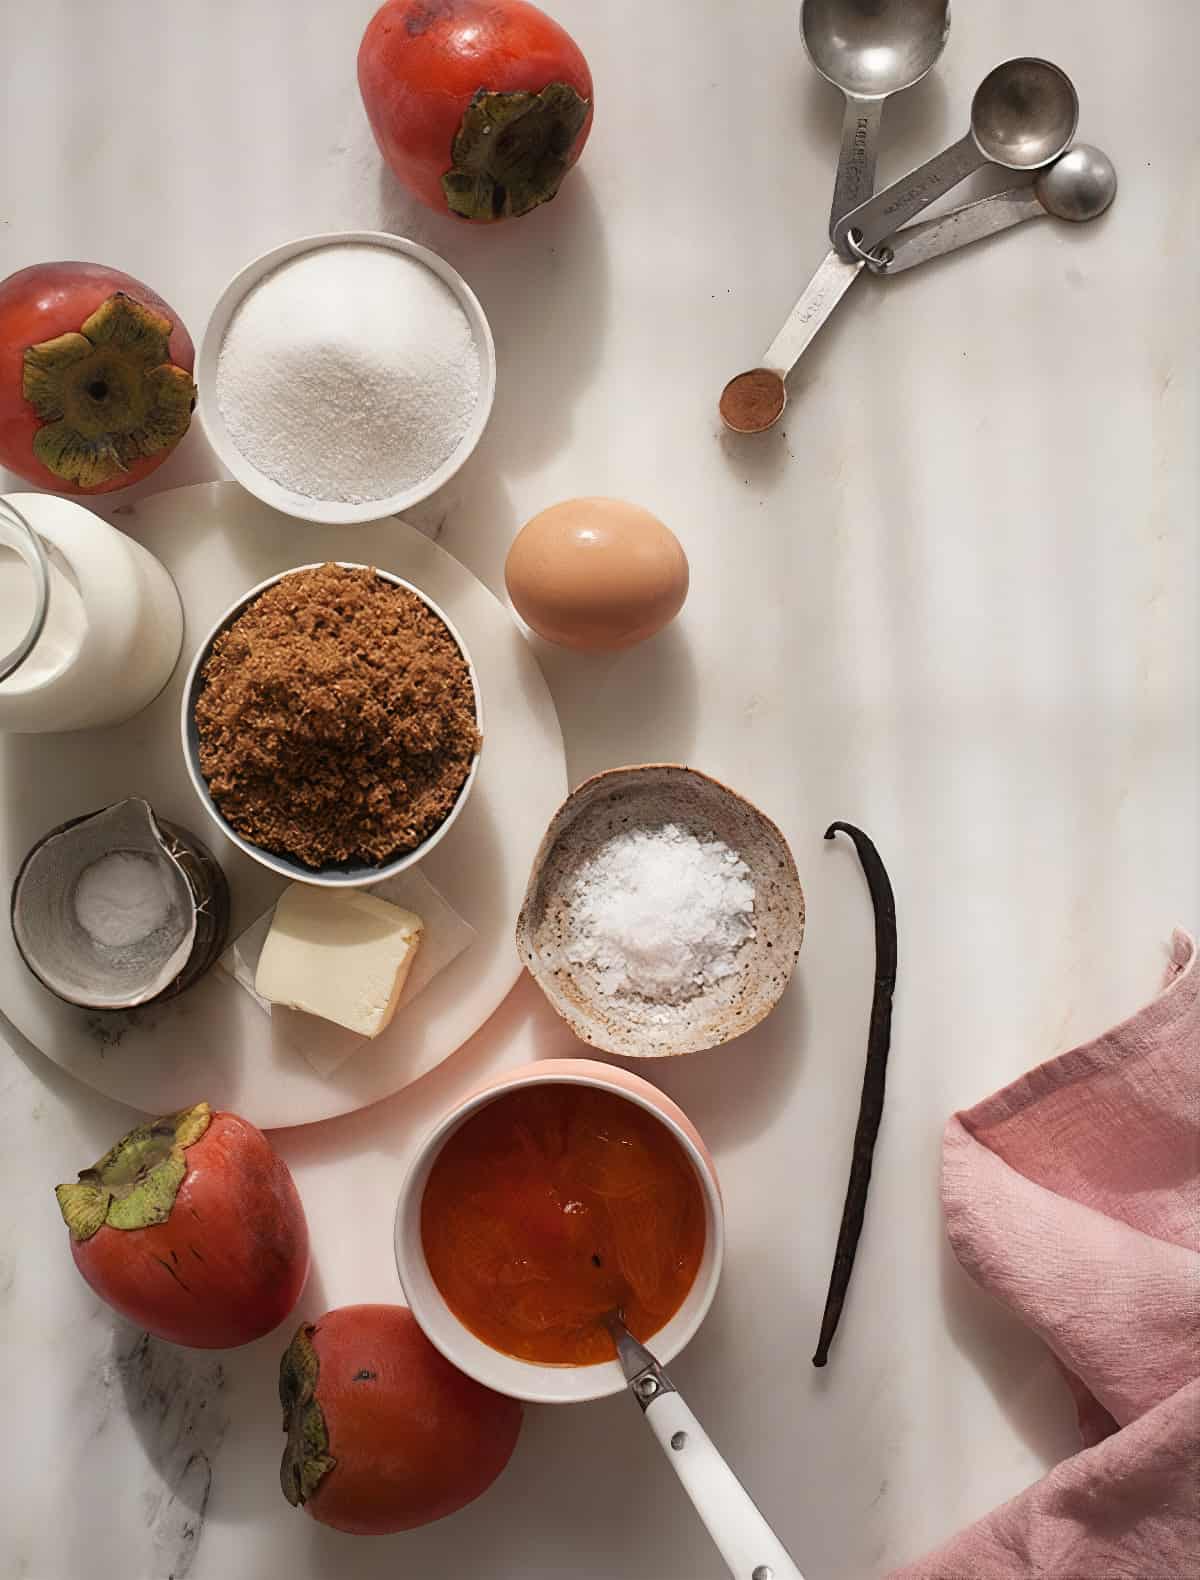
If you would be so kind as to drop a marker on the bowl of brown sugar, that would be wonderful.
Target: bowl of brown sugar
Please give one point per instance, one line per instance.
(332, 724)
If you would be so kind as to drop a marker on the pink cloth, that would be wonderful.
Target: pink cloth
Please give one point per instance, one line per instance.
(1074, 1197)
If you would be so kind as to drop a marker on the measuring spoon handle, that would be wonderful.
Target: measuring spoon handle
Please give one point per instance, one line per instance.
(856, 164)
(821, 295)
(931, 238)
(904, 199)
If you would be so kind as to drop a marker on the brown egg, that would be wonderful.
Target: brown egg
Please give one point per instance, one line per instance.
(596, 574)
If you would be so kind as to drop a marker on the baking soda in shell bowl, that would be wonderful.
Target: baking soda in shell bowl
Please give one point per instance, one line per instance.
(505, 1373)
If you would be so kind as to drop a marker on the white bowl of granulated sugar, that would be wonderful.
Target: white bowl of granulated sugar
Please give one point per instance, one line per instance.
(664, 912)
(346, 377)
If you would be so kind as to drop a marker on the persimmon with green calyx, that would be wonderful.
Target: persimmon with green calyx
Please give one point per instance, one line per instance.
(191, 1226)
(480, 107)
(383, 1433)
(96, 382)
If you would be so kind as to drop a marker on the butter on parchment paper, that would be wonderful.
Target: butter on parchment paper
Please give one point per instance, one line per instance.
(340, 954)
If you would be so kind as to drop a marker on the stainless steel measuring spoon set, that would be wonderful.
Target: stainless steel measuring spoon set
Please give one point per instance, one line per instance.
(1023, 118)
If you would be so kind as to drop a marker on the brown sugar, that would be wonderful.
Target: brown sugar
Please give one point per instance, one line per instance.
(336, 719)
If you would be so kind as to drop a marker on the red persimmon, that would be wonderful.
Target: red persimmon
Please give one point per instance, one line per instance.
(384, 1434)
(192, 1228)
(480, 107)
(95, 378)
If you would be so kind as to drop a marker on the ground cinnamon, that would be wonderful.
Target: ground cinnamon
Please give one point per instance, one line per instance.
(336, 719)
(752, 401)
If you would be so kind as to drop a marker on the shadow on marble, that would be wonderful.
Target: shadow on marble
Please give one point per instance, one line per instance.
(766, 1062)
(759, 458)
(391, 1126)
(1017, 1367)
(641, 705)
(733, 1092)
(104, 1118)
(1051, 268)
(548, 340)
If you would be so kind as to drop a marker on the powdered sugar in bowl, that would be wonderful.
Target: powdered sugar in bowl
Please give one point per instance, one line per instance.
(346, 377)
(664, 912)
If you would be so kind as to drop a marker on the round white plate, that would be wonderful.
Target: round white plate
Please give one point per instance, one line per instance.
(214, 1042)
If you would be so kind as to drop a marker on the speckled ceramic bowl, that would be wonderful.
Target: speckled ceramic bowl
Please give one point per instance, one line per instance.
(647, 797)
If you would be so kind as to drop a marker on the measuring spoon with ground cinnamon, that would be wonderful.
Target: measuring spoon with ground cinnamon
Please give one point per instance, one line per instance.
(754, 401)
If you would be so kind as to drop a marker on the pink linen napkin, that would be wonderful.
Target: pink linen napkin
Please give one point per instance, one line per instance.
(1074, 1197)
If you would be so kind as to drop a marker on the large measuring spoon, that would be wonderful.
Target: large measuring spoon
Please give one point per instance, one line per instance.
(1023, 116)
(1078, 187)
(869, 49)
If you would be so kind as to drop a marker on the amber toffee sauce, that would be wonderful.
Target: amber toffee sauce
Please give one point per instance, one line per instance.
(553, 1205)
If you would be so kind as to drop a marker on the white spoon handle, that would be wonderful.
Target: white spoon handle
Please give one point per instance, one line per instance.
(746, 1542)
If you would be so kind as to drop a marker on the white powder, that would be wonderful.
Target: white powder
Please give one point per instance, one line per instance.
(660, 914)
(122, 899)
(349, 373)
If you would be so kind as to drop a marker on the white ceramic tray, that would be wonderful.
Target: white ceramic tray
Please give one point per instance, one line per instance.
(214, 1042)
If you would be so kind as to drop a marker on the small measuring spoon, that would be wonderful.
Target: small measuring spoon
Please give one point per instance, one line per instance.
(869, 49)
(1078, 187)
(754, 401)
(1023, 116)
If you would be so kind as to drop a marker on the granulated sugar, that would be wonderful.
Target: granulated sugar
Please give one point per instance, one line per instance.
(660, 913)
(350, 373)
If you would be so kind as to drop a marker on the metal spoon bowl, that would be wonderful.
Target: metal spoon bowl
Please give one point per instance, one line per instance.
(1024, 114)
(1078, 187)
(869, 49)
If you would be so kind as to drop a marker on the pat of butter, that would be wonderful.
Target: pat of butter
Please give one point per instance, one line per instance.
(340, 954)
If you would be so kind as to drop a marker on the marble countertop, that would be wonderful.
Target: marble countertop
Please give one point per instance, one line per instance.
(952, 599)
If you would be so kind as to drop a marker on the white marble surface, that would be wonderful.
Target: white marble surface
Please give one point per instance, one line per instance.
(954, 600)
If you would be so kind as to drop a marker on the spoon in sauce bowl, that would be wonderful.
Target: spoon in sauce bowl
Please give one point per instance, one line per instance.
(746, 1542)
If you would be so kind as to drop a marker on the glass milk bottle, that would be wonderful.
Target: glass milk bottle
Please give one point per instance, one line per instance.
(90, 622)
